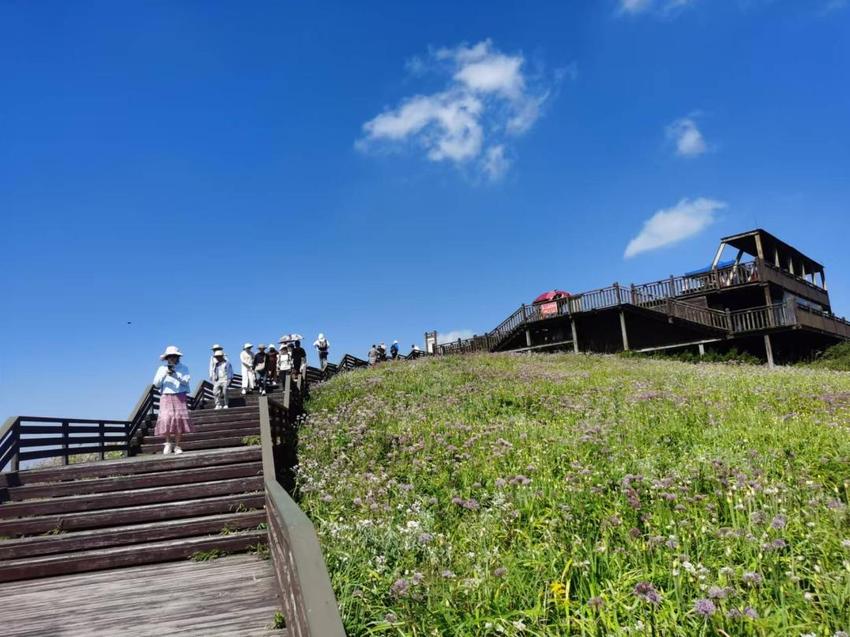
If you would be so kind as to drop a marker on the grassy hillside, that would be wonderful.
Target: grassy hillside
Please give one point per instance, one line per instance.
(554, 495)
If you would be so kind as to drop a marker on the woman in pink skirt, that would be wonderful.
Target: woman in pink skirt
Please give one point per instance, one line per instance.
(172, 381)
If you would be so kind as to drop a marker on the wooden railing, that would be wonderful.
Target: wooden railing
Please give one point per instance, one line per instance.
(823, 321)
(762, 318)
(25, 438)
(304, 586)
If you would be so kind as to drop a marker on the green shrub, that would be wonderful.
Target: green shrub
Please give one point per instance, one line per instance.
(836, 358)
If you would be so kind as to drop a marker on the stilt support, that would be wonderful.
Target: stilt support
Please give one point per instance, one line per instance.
(623, 330)
(768, 348)
(575, 336)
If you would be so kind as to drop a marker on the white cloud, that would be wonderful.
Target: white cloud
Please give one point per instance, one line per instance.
(662, 7)
(687, 137)
(448, 337)
(671, 225)
(488, 98)
(495, 164)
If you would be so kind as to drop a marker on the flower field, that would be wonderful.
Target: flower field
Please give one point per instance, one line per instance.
(582, 495)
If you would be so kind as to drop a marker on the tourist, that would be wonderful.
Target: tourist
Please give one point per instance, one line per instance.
(414, 351)
(322, 346)
(394, 350)
(284, 360)
(382, 352)
(271, 366)
(221, 375)
(212, 357)
(299, 358)
(373, 355)
(172, 381)
(260, 368)
(247, 360)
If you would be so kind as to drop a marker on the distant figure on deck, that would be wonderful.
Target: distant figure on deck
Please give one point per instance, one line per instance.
(260, 369)
(373, 355)
(271, 366)
(322, 346)
(247, 360)
(221, 375)
(299, 360)
(414, 351)
(172, 381)
(212, 357)
(394, 350)
(382, 352)
(284, 359)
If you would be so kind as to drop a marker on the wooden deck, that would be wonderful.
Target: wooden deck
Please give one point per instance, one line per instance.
(229, 596)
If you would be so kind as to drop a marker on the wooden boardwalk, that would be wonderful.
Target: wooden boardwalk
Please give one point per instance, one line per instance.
(230, 596)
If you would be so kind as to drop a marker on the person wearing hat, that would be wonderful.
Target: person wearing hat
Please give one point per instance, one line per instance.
(284, 359)
(212, 357)
(260, 368)
(373, 355)
(172, 381)
(299, 359)
(322, 346)
(246, 357)
(394, 350)
(221, 376)
(271, 365)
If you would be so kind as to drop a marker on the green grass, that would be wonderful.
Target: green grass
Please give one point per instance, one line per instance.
(582, 495)
(207, 556)
(836, 358)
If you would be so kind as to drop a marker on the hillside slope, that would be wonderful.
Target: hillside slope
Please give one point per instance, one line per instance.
(551, 495)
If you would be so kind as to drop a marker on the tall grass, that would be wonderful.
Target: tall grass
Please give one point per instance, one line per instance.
(578, 495)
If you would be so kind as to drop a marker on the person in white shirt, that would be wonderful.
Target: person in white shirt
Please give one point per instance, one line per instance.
(212, 357)
(322, 346)
(246, 357)
(172, 381)
(284, 360)
(222, 374)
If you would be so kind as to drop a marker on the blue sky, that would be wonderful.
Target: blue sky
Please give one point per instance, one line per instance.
(222, 171)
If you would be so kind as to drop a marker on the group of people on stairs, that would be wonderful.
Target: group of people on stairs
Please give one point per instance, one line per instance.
(378, 353)
(269, 367)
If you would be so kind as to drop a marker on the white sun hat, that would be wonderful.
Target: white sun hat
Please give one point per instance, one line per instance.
(247, 346)
(216, 346)
(171, 350)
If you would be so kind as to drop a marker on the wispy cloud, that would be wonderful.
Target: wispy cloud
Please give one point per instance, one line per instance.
(488, 100)
(834, 5)
(687, 137)
(659, 7)
(453, 335)
(671, 225)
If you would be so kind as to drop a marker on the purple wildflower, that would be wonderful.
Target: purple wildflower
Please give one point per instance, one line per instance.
(596, 603)
(391, 618)
(704, 607)
(500, 571)
(778, 522)
(425, 538)
(647, 592)
(751, 612)
(715, 592)
(752, 578)
(400, 588)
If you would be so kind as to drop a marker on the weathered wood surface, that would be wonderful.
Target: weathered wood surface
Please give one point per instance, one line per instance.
(231, 596)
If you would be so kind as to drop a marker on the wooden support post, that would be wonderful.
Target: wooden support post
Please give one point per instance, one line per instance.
(101, 439)
(528, 339)
(701, 347)
(575, 336)
(759, 248)
(768, 348)
(66, 436)
(717, 256)
(623, 331)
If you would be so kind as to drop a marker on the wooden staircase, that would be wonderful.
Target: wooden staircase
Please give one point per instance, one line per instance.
(139, 510)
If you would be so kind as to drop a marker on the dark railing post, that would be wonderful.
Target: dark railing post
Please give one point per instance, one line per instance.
(65, 442)
(16, 432)
(101, 439)
(729, 326)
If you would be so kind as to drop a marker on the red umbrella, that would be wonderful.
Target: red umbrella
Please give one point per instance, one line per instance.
(551, 295)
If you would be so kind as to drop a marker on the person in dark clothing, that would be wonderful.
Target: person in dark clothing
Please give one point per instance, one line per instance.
(394, 350)
(382, 352)
(299, 361)
(261, 368)
(271, 366)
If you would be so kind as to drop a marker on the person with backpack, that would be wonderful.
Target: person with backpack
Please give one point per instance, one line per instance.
(299, 359)
(260, 359)
(373, 356)
(382, 352)
(322, 346)
(172, 381)
(246, 357)
(284, 360)
(221, 375)
(394, 350)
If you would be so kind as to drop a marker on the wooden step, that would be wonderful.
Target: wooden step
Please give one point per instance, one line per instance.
(148, 553)
(119, 516)
(249, 430)
(132, 534)
(134, 465)
(140, 481)
(225, 426)
(97, 501)
(195, 445)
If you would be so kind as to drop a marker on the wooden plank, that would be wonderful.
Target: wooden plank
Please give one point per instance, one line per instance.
(75, 503)
(234, 596)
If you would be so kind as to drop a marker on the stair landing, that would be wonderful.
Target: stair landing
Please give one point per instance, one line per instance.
(229, 596)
